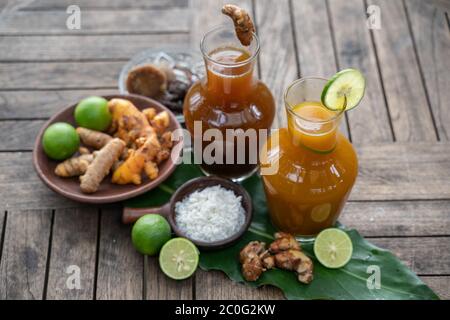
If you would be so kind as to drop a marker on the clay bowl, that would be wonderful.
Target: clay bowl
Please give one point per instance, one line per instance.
(108, 192)
(130, 215)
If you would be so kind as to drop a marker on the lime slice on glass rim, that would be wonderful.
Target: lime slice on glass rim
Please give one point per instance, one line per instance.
(344, 90)
(333, 248)
(178, 258)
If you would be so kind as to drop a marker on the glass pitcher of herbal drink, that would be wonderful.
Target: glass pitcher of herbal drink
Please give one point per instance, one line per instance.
(317, 165)
(230, 101)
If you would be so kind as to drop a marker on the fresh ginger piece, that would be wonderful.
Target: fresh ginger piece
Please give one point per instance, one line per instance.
(252, 265)
(101, 165)
(150, 113)
(151, 170)
(74, 166)
(243, 24)
(161, 121)
(92, 138)
(130, 171)
(127, 121)
(283, 241)
(166, 140)
(162, 155)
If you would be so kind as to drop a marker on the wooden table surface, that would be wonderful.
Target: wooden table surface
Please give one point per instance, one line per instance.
(401, 130)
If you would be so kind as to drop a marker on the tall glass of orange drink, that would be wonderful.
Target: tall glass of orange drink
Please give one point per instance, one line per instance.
(317, 165)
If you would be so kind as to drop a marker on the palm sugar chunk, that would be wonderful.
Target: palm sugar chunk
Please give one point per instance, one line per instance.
(147, 80)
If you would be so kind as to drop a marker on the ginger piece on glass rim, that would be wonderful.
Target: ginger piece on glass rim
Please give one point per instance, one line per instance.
(243, 24)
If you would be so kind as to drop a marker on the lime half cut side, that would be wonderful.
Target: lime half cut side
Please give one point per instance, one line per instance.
(333, 248)
(178, 258)
(344, 90)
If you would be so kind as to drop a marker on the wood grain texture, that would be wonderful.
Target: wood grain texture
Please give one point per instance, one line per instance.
(405, 93)
(439, 284)
(314, 44)
(19, 135)
(84, 47)
(96, 22)
(24, 257)
(277, 58)
(100, 4)
(42, 104)
(398, 218)
(19, 181)
(369, 123)
(424, 256)
(432, 38)
(159, 286)
(60, 75)
(215, 285)
(74, 243)
(120, 266)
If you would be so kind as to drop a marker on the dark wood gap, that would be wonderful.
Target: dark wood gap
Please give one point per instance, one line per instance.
(16, 150)
(144, 276)
(294, 36)
(336, 58)
(433, 275)
(103, 9)
(2, 235)
(419, 65)
(60, 89)
(399, 200)
(67, 60)
(408, 236)
(377, 59)
(115, 33)
(258, 60)
(49, 254)
(97, 253)
(24, 119)
(194, 287)
(448, 20)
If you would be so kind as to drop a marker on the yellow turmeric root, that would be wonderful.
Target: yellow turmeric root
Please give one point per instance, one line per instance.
(130, 171)
(151, 170)
(74, 166)
(243, 24)
(101, 165)
(127, 121)
(92, 138)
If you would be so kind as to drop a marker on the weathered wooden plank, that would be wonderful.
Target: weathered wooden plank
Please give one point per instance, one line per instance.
(21, 188)
(439, 284)
(425, 256)
(73, 253)
(84, 47)
(354, 48)
(80, 75)
(120, 266)
(314, 44)
(403, 171)
(405, 93)
(96, 22)
(41, 104)
(100, 4)
(2, 221)
(398, 218)
(159, 286)
(25, 248)
(215, 285)
(432, 39)
(277, 58)
(19, 135)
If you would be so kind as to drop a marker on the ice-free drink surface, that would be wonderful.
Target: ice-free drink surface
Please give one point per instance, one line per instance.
(317, 169)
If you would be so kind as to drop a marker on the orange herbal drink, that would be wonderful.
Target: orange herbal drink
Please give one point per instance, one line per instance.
(317, 165)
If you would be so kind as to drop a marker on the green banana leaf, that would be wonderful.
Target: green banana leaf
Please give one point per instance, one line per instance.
(350, 282)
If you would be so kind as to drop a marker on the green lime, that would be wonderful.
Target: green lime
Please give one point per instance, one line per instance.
(344, 90)
(60, 141)
(93, 113)
(178, 258)
(333, 248)
(149, 233)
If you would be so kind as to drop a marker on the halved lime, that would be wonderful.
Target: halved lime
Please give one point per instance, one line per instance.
(178, 258)
(344, 90)
(333, 248)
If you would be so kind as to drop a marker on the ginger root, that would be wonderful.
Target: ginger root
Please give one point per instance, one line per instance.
(101, 165)
(151, 170)
(130, 171)
(160, 122)
(74, 166)
(128, 122)
(243, 24)
(284, 253)
(92, 138)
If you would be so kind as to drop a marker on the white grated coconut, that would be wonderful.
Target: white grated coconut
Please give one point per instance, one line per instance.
(210, 214)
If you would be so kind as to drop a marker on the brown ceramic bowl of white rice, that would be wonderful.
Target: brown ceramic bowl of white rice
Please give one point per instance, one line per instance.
(212, 212)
